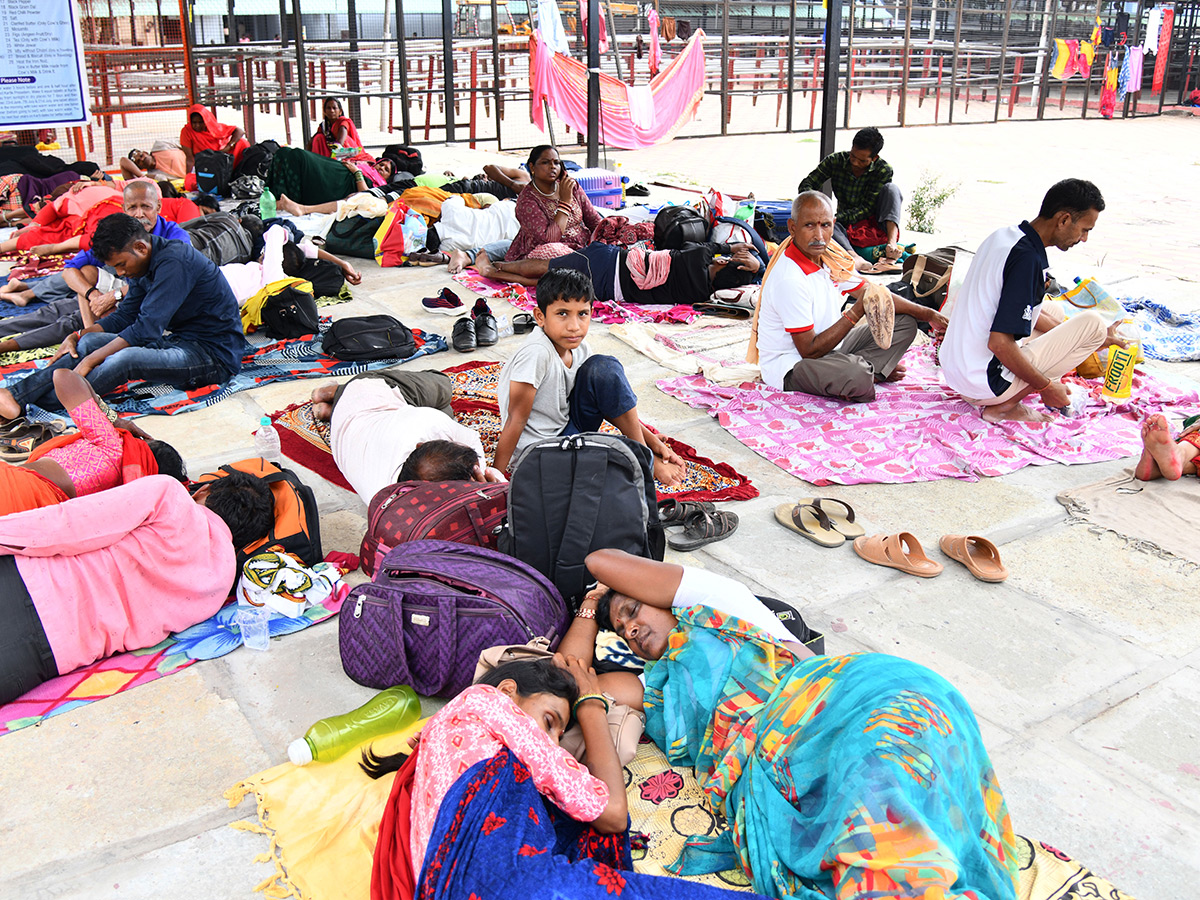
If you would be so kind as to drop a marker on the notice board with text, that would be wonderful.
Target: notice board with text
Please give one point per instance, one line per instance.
(42, 81)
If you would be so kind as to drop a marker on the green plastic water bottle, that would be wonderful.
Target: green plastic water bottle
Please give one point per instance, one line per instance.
(387, 712)
(266, 205)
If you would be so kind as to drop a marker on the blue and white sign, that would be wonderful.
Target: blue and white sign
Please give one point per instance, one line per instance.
(42, 80)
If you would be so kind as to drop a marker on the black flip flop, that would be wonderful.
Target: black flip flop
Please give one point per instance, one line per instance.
(522, 323)
(676, 512)
(704, 527)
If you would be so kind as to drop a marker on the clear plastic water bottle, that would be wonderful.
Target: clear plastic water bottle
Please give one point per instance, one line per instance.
(387, 712)
(266, 205)
(266, 440)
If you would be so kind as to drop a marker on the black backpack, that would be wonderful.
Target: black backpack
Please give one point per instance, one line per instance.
(214, 171)
(675, 226)
(353, 236)
(290, 313)
(369, 337)
(256, 159)
(220, 237)
(570, 495)
(326, 278)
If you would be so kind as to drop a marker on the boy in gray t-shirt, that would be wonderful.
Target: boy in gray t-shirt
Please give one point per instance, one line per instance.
(554, 385)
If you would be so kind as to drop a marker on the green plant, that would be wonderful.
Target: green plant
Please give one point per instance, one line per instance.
(927, 199)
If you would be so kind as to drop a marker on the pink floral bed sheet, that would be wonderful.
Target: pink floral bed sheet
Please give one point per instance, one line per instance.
(920, 430)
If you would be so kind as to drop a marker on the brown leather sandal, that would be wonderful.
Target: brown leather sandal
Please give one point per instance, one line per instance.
(897, 551)
(704, 527)
(978, 554)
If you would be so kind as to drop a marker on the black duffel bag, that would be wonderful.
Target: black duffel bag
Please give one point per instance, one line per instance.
(290, 313)
(369, 337)
(353, 236)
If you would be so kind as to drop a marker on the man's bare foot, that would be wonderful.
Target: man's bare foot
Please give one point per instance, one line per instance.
(322, 401)
(484, 266)
(1016, 413)
(667, 473)
(898, 374)
(9, 407)
(459, 260)
(1160, 454)
(288, 205)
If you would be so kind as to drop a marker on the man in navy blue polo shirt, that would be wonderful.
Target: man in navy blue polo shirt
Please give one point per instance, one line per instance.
(1000, 345)
(179, 324)
(84, 290)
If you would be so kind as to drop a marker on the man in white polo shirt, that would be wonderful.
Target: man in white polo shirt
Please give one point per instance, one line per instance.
(805, 341)
(985, 356)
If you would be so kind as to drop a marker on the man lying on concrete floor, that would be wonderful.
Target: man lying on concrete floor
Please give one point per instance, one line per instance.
(395, 425)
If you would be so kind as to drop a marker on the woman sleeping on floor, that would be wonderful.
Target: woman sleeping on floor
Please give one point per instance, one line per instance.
(856, 776)
(489, 805)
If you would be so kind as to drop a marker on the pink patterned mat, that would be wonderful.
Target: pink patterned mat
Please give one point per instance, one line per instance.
(214, 637)
(920, 430)
(603, 312)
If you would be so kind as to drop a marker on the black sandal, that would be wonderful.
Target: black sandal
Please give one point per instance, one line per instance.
(676, 512)
(523, 323)
(704, 527)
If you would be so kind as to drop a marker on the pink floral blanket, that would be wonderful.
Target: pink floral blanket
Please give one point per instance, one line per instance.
(920, 430)
(603, 312)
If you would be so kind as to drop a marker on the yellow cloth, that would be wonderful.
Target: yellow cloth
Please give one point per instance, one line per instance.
(323, 820)
(752, 348)
(428, 201)
(253, 307)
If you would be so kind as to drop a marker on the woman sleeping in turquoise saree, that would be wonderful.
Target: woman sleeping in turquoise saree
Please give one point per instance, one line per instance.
(857, 776)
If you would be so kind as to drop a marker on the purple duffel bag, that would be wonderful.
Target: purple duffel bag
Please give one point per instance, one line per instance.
(433, 606)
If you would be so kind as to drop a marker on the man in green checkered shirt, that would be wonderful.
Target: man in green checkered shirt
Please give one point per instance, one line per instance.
(862, 184)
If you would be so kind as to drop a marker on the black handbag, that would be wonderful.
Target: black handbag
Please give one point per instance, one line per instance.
(290, 313)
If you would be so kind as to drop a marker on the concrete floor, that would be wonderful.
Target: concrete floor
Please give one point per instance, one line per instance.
(1083, 668)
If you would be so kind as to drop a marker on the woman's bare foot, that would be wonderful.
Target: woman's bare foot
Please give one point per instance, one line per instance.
(289, 206)
(1160, 454)
(9, 407)
(1018, 412)
(459, 260)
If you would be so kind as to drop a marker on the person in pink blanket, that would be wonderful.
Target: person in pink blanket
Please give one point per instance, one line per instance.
(113, 571)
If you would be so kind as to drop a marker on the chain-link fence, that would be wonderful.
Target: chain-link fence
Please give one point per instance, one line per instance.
(417, 71)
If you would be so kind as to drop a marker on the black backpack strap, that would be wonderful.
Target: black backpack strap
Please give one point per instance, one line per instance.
(570, 574)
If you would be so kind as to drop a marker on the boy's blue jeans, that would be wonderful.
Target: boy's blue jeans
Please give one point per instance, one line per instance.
(168, 360)
(601, 393)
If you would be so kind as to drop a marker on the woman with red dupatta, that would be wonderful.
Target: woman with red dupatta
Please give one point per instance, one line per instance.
(337, 130)
(204, 132)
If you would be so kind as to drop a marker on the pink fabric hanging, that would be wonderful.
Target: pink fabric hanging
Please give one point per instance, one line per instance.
(583, 25)
(562, 81)
(655, 46)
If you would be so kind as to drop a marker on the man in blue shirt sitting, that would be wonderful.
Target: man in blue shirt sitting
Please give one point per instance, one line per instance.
(83, 291)
(174, 288)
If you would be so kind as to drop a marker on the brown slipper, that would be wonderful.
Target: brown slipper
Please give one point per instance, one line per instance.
(978, 554)
(880, 313)
(842, 519)
(810, 521)
(897, 551)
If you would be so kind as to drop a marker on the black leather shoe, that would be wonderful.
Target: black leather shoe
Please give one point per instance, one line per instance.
(463, 336)
(486, 332)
